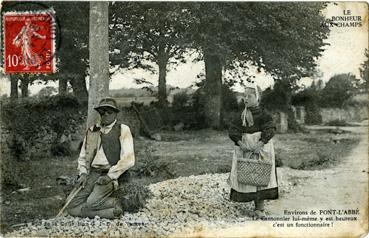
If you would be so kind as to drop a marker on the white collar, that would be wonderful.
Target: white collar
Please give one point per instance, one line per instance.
(107, 128)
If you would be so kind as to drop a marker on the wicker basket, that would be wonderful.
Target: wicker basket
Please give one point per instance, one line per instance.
(254, 172)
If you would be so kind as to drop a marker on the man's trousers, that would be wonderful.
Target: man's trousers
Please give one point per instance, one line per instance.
(95, 200)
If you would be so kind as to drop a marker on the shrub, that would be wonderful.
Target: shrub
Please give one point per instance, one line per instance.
(34, 124)
(229, 99)
(337, 123)
(338, 90)
(309, 98)
(133, 196)
(180, 100)
(151, 166)
(320, 159)
(10, 173)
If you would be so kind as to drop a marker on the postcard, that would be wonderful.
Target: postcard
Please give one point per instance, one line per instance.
(184, 119)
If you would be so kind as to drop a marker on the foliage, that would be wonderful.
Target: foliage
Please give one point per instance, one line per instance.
(10, 173)
(47, 91)
(278, 98)
(339, 88)
(180, 100)
(147, 32)
(309, 98)
(133, 196)
(71, 41)
(33, 123)
(151, 166)
(282, 38)
(364, 69)
(151, 31)
(229, 99)
(337, 123)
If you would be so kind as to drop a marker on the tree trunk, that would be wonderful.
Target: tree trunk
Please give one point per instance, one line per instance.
(213, 90)
(99, 57)
(162, 86)
(24, 86)
(79, 88)
(13, 87)
(63, 83)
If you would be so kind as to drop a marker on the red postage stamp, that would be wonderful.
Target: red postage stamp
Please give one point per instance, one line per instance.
(29, 42)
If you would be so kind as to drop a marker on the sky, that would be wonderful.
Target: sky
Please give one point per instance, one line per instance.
(345, 54)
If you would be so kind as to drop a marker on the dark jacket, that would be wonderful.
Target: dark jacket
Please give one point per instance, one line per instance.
(263, 122)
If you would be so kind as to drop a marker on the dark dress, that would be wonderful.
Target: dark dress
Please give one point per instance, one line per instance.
(263, 123)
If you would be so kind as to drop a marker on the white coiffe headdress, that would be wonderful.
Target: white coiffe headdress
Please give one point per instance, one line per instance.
(246, 116)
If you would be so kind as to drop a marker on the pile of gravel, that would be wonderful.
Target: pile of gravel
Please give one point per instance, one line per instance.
(178, 205)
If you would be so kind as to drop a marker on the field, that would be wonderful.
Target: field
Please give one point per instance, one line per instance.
(126, 101)
(180, 153)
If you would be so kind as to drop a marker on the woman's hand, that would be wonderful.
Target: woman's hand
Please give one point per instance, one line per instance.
(243, 146)
(259, 147)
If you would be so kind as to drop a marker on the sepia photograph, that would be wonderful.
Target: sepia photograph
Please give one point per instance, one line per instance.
(184, 119)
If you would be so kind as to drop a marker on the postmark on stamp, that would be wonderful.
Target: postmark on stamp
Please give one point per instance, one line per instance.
(29, 42)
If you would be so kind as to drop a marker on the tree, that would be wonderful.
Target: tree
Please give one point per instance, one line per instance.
(71, 42)
(99, 57)
(278, 98)
(63, 86)
(13, 87)
(284, 39)
(148, 31)
(47, 91)
(310, 98)
(339, 89)
(73, 49)
(24, 86)
(364, 69)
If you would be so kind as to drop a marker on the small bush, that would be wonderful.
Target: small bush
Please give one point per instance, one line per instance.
(151, 166)
(41, 122)
(61, 149)
(10, 174)
(318, 160)
(337, 123)
(313, 117)
(133, 196)
(180, 100)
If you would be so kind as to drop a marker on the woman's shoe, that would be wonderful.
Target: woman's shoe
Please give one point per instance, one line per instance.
(259, 214)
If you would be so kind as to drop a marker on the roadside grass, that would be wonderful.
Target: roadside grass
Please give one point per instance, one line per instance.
(313, 151)
(182, 153)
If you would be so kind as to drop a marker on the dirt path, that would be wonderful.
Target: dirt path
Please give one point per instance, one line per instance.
(342, 187)
(345, 185)
(199, 206)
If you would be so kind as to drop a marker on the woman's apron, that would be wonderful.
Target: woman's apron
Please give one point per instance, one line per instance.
(267, 152)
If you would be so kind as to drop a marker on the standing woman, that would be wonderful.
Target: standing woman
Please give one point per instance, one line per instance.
(252, 131)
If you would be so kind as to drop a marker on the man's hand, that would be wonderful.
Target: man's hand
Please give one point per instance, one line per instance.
(82, 180)
(103, 180)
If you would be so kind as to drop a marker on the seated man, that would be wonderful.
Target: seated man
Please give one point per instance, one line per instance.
(106, 153)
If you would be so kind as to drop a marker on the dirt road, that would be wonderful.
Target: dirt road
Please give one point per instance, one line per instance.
(199, 206)
(344, 186)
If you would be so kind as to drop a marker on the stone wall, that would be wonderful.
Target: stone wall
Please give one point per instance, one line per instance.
(299, 114)
(281, 121)
(350, 114)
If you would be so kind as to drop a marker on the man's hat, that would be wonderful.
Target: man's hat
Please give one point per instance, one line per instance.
(108, 103)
